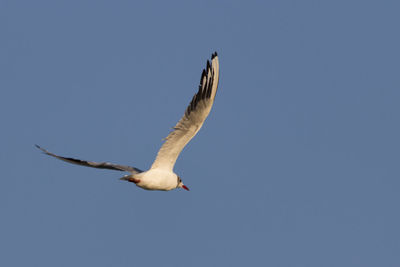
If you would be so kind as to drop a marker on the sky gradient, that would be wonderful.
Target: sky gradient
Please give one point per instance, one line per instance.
(297, 164)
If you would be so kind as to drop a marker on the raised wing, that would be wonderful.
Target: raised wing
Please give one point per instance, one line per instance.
(192, 120)
(99, 165)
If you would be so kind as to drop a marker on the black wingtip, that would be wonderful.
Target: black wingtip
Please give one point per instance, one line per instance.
(214, 55)
(40, 148)
(203, 74)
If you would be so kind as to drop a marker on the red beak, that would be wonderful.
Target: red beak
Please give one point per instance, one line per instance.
(185, 187)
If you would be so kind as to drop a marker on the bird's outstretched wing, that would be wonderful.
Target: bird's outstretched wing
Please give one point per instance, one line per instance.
(192, 120)
(100, 165)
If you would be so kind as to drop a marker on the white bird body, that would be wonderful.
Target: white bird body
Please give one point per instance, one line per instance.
(155, 179)
(161, 175)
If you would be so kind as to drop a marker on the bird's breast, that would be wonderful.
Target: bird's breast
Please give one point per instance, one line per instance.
(156, 179)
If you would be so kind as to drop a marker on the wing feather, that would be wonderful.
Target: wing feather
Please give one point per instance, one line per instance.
(193, 119)
(99, 165)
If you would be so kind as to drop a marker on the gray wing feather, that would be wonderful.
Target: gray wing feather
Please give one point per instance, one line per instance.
(99, 165)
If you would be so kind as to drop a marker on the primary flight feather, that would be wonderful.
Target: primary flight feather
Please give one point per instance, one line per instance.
(161, 176)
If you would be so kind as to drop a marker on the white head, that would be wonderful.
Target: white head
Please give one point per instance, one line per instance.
(181, 185)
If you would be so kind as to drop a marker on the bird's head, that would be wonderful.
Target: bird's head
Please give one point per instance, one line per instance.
(181, 185)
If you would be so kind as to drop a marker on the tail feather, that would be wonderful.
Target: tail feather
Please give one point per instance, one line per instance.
(126, 177)
(130, 178)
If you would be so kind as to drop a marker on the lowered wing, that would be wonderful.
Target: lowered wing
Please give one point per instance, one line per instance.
(99, 165)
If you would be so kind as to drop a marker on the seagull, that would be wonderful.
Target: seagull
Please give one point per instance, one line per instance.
(161, 176)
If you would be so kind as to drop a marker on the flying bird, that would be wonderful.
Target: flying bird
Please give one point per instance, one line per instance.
(161, 176)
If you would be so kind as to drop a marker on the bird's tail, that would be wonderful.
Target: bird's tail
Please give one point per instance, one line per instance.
(129, 178)
(126, 177)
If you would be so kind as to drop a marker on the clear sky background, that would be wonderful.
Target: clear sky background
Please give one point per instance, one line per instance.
(297, 164)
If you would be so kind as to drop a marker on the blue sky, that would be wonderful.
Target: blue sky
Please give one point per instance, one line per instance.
(297, 164)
